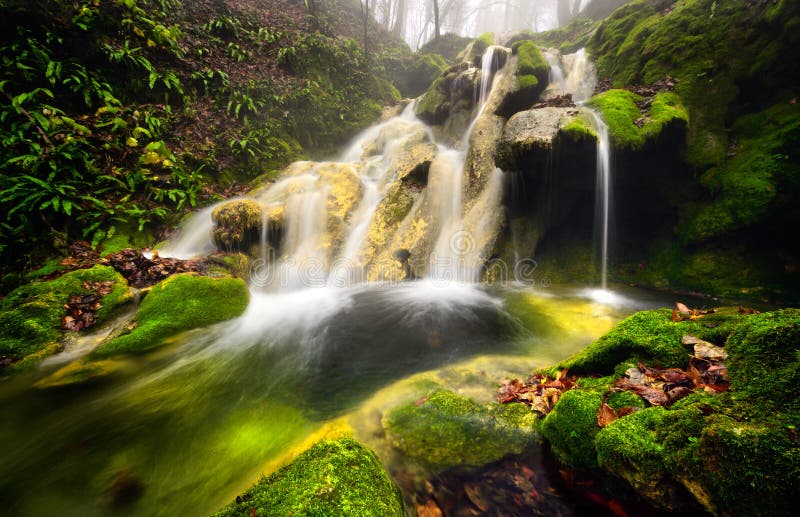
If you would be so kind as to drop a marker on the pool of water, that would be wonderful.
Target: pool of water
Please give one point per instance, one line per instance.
(181, 430)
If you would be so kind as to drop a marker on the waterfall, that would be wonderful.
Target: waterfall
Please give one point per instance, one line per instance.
(602, 207)
(334, 223)
(556, 74)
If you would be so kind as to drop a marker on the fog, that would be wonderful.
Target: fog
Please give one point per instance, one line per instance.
(414, 19)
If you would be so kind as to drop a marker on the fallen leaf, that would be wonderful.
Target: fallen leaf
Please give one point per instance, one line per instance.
(706, 350)
(429, 509)
(606, 415)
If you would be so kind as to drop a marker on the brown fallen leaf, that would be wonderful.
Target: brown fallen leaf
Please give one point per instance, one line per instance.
(477, 497)
(606, 415)
(429, 509)
(706, 350)
(627, 410)
(683, 309)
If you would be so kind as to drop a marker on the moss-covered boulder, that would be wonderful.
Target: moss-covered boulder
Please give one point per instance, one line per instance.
(179, 303)
(531, 79)
(628, 127)
(764, 359)
(446, 430)
(31, 316)
(473, 52)
(571, 427)
(729, 453)
(331, 478)
(238, 224)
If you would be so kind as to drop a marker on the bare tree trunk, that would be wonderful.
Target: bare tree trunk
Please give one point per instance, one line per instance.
(436, 21)
(399, 27)
(365, 12)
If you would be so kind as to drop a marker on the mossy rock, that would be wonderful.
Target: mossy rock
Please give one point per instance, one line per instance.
(628, 127)
(338, 477)
(179, 303)
(434, 107)
(764, 359)
(475, 50)
(762, 178)
(30, 320)
(571, 427)
(649, 336)
(447, 430)
(531, 79)
(238, 224)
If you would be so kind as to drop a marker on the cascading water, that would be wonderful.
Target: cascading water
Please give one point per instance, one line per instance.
(580, 81)
(183, 429)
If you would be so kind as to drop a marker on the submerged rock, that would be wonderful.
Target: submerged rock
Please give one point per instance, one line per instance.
(338, 477)
(446, 430)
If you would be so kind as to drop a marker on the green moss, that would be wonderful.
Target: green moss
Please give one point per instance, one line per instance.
(531, 61)
(447, 430)
(630, 445)
(650, 336)
(331, 478)
(434, 106)
(481, 43)
(619, 111)
(760, 179)
(621, 399)
(179, 303)
(571, 427)
(710, 47)
(30, 317)
(749, 467)
(578, 129)
(764, 359)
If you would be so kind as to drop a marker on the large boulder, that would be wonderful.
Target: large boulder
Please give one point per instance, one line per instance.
(181, 302)
(338, 477)
(32, 316)
(530, 79)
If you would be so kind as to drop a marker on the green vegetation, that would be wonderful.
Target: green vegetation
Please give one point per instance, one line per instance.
(570, 38)
(120, 116)
(30, 317)
(179, 303)
(733, 452)
(532, 76)
(571, 427)
(627, 126)
(447, 430)
(331, 478)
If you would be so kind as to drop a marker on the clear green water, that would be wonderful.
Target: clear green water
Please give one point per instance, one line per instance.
(180, 431)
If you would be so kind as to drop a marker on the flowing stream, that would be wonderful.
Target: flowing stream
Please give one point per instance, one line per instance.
(327, 333)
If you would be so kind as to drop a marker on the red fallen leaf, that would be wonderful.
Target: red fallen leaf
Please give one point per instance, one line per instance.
(651, 395)
(743, 310)
(719, 388)
(535, 494)
(676, 316)
(253, 512)
(627, 410)
(606, 415)
(429, 509)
